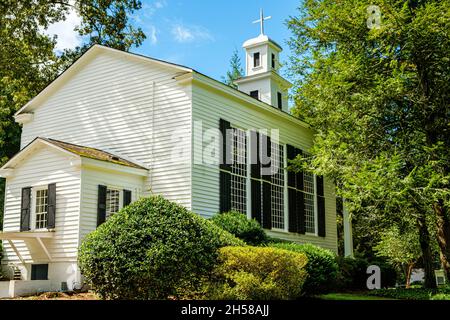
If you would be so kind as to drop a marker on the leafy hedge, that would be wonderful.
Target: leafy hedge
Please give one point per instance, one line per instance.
(257, 273)
(321, 267)
(237, 224)
(413, 294)
(152, 249)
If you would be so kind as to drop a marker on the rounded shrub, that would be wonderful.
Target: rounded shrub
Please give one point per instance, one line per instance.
(321, 267)
(236, 223)
(152, 249)
(257, 273)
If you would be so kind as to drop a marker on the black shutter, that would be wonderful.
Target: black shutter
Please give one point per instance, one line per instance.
(290, 152)
(266, 153)
(225, 191)
(225, 164)
(225, 148)
(267, 206)
(299, 175)
(300, 206)
(254, 155)
(25, 209)
(101, 205)
(126, 197)
(293, 215)
(51, 205)
(320, 206)
(256, 199)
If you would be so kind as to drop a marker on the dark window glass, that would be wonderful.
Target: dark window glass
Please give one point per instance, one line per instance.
(254, 94)
(280, 101)
(273, 61)
(256, 60)
(39, 272)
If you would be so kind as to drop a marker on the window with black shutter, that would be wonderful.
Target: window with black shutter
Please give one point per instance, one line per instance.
(233, 171)
(306, 199)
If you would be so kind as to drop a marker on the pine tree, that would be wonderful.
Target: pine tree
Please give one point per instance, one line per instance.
(236, 71)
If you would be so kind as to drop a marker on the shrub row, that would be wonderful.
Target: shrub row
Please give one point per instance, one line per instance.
(155, 249)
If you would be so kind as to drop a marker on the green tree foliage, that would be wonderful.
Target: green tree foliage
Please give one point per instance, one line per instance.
(236, 71)
(236, 223)
(377, 92)
(152, 249)
(27, 58)
(401, 249)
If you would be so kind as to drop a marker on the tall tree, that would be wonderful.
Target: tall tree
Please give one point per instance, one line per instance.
(27, 59)
(236, 71)
(373, 79)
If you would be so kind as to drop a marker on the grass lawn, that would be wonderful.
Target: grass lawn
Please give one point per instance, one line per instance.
(349, 296)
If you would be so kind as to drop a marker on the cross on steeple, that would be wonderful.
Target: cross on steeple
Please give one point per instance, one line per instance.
(261, 20)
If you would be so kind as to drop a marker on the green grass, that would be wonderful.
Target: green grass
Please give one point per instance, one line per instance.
(350, 296)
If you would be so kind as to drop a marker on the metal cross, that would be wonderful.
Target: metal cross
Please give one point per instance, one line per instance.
(261, 20)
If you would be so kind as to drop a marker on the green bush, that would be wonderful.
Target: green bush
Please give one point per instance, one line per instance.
(236, 223)
(412, 294)
(351, 273)
(257, 273)
(321, 267)
(152, 249)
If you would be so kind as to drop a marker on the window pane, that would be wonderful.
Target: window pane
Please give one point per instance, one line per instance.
(112, 202)
(277, 189)
(256, 59)
(239, 171)
(310, 225)
(41, 209)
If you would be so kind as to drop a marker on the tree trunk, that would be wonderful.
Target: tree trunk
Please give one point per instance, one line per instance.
(443, 236)
(409, 268)
(427, 255)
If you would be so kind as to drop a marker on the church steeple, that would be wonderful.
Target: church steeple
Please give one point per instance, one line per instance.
(261, 79)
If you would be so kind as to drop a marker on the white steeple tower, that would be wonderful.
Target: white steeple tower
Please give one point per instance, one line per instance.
(261, 79)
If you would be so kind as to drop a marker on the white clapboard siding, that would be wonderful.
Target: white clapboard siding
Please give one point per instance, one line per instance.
(90, 180)
(43, 167)
(125, 105)
(208, 107)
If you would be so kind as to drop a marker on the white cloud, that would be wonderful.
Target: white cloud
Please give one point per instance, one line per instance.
(160, 4)
(185, 34)
(64, 30)
(152, 36)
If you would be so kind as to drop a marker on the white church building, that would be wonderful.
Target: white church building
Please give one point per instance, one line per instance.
(117, 126)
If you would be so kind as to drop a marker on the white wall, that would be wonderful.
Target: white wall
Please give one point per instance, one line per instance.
(43, 167)
(4, 289)
(125, 105)
(208, 107)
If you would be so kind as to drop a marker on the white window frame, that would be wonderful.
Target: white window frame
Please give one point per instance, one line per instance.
(120, 190)
(33, 217)
(285, 203)
(316, 217)
(247, 175)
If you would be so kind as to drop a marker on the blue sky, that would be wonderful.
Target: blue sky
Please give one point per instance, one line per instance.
(200, 34)
(203, 34)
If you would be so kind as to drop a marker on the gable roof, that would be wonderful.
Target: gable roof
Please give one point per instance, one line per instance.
(89, 54)
(77, 150)
(95, 49)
